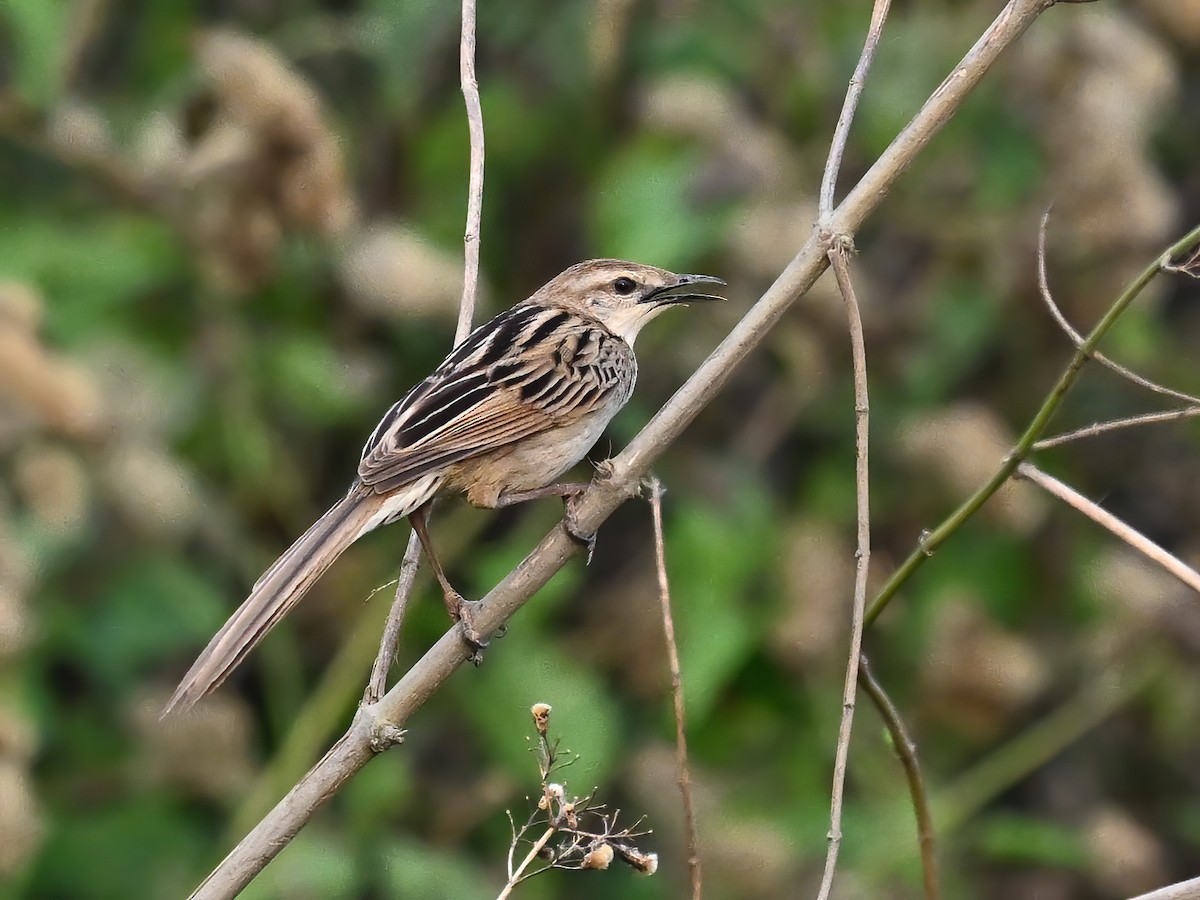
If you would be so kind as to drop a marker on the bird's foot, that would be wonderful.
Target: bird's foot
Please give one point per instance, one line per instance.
(571, 526)
(465, 613)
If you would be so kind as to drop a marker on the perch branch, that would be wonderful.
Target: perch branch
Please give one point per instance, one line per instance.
(1182, 890)
(621, 478)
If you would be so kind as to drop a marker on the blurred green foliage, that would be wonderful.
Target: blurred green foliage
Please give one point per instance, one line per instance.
(218, 281)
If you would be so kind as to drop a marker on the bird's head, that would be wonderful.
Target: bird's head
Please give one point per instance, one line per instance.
(623, 296)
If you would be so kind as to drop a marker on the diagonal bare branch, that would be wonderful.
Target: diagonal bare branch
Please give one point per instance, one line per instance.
(1101, 516)
(1183, 890)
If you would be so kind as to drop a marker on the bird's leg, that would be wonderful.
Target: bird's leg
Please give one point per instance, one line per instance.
(570, 492)
(566, 490)
(461, 610)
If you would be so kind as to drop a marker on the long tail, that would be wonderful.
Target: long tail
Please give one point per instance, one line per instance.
(276, 592)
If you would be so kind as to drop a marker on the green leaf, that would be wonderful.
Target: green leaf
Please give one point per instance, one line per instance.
(310, 377)
(960, 322)
(318, 863)
(153, 608)
(372, 797)
(39, 29)
(524, 668)
(90, 273)
(421, 870)
(643, 208)
(1015, 838)
(131, 848)
(713, 594)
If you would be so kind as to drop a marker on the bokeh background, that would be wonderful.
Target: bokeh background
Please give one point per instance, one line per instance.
(230, 237)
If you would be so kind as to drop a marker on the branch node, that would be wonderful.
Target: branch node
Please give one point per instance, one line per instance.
(842, 242)
(381, 734)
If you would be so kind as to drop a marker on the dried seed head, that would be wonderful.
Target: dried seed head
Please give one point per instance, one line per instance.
(541, 717)
(598, 858)
(645, 863)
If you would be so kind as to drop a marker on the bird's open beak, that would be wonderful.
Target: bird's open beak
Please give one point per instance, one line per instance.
(684, 289)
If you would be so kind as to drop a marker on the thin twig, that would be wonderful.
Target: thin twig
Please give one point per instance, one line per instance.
(906, 750)
(841, 133)
(1101, 516)
(1077, 338)
(1189, 265)
(930, 543)
(621, 477)
(390, 640)
(838, 253)
(839, 259)
(682, 772)
(526, 862)
(470, 92)
(1171, 415)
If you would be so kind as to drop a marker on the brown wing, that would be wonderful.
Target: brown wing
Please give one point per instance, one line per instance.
(530, 369)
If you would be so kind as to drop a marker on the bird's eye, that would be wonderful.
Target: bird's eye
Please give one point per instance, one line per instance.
(624, 286)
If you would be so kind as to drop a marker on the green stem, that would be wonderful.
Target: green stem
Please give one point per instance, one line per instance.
(930, 543)
(1009, 765)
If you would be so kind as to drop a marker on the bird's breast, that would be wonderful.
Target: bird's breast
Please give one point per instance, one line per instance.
(532, 462)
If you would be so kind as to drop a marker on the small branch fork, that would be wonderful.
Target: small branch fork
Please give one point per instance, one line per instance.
(682, 771)
(621, 478)
(1077, 338)
(390, 641)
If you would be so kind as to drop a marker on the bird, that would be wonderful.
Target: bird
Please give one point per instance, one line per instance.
(515, 405)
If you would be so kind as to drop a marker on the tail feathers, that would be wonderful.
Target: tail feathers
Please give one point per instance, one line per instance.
(276, 592)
